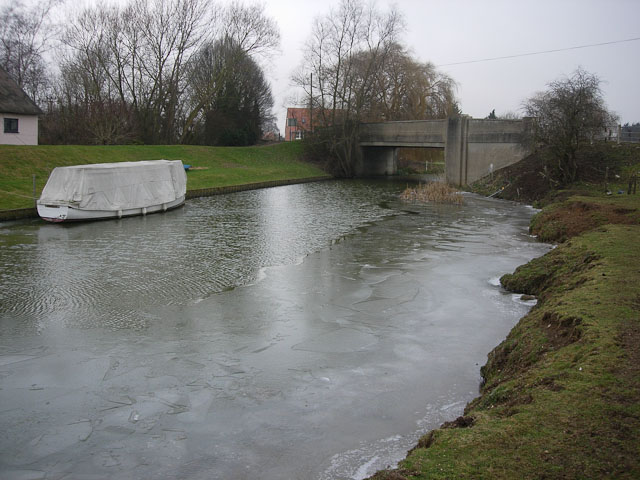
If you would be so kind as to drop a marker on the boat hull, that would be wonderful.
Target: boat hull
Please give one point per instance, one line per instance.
(68, 213)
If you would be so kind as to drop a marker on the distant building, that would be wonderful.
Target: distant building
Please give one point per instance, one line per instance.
(298, 124)
(300, 121)
(18, 114)
(270, 137)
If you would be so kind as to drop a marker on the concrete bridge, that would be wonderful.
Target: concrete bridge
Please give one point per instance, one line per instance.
(473, 148)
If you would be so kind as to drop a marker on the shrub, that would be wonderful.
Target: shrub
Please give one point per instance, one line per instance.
(434, 192)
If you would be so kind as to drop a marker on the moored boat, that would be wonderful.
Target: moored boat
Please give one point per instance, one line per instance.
(112, 190)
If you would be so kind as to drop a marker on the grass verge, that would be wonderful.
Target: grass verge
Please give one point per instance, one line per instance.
(213, 166)
(580, 213)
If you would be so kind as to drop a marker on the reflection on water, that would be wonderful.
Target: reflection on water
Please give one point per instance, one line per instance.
(310, 331)
(104, 273)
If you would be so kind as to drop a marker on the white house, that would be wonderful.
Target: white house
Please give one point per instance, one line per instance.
(18, 114)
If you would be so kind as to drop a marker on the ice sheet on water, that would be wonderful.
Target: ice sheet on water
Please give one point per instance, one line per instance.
(339, 341)
(362, 462)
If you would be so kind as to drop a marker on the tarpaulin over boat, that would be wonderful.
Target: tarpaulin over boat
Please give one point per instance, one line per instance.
(116, 186)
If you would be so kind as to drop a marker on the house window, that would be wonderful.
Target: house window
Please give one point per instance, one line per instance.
(292, 122)
(10, 125)
(298, 135)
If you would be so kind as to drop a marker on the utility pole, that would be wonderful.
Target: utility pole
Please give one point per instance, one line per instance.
(311, 106)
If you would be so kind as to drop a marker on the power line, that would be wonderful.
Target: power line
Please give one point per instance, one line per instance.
(539, 53)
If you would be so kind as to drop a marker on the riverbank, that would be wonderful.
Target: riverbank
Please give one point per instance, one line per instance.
(561, 395)
(213, 168)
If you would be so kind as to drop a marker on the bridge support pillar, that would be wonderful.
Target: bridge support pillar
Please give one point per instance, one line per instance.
(379, 161)
(456, 151)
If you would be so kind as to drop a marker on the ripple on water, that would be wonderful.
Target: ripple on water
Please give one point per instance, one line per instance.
(211, 245)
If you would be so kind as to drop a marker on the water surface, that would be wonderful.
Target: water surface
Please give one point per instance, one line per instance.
(307, 331)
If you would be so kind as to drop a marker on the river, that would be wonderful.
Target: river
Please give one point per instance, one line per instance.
(299, 332)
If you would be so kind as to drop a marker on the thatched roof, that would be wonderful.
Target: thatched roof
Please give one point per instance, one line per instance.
(13, 99)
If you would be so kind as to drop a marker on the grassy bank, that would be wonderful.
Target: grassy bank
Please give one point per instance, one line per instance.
(561, 395)
(212, 166)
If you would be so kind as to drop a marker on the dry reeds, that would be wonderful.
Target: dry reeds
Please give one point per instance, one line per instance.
(433, 192)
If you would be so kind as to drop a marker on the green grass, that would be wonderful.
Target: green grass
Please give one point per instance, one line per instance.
(213, 166)
(582, 213)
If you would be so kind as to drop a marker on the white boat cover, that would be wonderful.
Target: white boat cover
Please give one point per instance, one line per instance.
(116, 186)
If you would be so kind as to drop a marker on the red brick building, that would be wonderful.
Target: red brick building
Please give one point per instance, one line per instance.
(300, 122)
(297, 124)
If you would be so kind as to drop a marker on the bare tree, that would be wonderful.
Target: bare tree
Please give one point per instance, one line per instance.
(567, 117)
(90, 84)
(250, 29)
(345, 50)
(25, 35)
(409, 90)
(137, 55)
(171, 30)
(129, 70)
(509, 115)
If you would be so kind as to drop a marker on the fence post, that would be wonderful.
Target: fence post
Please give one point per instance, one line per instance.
(619, 133)
(35, 200)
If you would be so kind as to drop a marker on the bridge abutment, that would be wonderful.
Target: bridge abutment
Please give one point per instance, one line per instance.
(476, 147)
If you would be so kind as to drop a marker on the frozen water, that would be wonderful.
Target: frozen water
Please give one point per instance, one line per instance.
(197, 345)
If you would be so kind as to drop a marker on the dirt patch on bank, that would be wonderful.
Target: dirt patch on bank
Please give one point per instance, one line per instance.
(561, 330)
(522, 181)
(601, 167)
(572, 218)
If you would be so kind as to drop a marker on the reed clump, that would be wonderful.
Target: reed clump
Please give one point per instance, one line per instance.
(433, 192)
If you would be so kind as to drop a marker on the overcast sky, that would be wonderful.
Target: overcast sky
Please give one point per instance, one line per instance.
(449, 31)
